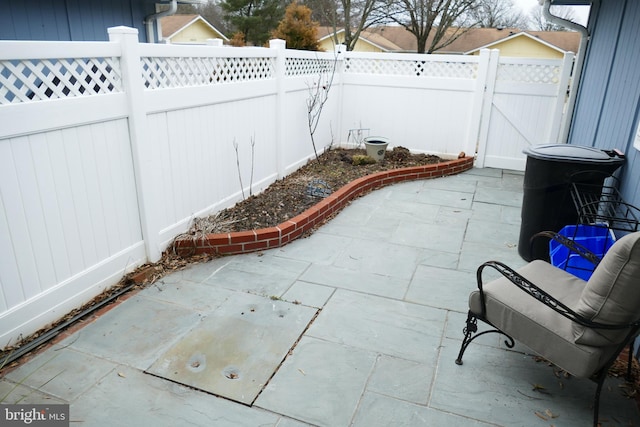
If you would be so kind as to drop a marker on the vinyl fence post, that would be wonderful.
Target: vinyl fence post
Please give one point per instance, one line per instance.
(145, 172)
(341, 51)
(486, 85)
(559, 123)
(280, 69)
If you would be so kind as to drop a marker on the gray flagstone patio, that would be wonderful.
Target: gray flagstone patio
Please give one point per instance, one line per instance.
(357, 325)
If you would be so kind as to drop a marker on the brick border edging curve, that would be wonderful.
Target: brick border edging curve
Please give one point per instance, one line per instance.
(274, 237)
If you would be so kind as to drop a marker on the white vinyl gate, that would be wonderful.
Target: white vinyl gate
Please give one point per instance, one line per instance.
(524, 105)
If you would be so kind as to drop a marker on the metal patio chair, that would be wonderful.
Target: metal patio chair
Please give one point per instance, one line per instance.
(579, 326)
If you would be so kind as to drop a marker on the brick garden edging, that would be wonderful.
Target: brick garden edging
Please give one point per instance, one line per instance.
(275, 237)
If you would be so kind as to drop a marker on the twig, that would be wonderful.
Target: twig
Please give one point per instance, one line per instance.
(318, 96)
(235, 147)
(333, 138)
(530, 397)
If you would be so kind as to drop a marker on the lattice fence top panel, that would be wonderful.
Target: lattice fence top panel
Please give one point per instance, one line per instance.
(38, 79)
(172, 72)
(414, 68)
(529, 73)
(307, 66)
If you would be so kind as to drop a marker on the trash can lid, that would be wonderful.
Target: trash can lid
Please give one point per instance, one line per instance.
(570, 153)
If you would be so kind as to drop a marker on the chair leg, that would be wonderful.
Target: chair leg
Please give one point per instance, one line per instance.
(596, 400)
(470, 329)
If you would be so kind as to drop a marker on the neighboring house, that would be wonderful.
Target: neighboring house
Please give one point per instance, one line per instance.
(511, 42)
(367, 42)
(607, 110)
(86, 20)
(188, 29)
(527, 44)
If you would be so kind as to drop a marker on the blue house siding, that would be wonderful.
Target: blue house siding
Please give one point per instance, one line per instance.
(593, 86)
(607, 108)
(74, 20)
(38, 20)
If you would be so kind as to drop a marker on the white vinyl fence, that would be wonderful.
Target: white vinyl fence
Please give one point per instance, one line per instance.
(108, 150)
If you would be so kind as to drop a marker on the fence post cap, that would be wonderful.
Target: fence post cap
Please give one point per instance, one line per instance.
(214, 42)
(278, 43)
(122, 30)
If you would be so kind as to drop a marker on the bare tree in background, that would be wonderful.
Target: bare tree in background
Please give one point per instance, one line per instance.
(213, 13)
(350, 16)
(498, 14)
(539, 23)
(359, 15)
(210, 11)
(447, 19)
(324, 12)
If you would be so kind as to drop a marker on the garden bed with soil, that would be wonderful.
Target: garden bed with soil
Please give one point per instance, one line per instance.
(286, 198)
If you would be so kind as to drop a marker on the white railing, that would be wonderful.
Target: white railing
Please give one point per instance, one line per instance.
(162, 69)
(109, 150)
(449, 67)
(35, 71)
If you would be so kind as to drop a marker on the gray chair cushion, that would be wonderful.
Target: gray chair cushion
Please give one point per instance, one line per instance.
(612, 295)
(537, 326)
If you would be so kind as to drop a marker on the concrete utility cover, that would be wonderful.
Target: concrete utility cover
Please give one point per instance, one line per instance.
(237, 348)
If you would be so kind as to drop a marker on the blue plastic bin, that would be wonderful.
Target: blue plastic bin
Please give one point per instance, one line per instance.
(598, 239)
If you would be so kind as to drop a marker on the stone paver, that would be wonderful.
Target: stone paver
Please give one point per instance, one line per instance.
(441, 288)
(377, 410)
(356, 280)
(129, 397)
(320, 383)
(237, 348)
(136, 332)
(381, 325)
(63, 373)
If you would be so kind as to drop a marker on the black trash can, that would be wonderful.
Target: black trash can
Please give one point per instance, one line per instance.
(547, 203)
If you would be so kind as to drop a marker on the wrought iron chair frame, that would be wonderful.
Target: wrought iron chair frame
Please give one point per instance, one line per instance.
(471, 328)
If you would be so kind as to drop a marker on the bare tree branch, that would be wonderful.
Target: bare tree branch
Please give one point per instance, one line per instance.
(318, 95)
(499, 14)
(422, 17)
(539, 22)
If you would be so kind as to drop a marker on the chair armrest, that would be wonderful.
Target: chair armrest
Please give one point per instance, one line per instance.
(545, 298)
(570, 244)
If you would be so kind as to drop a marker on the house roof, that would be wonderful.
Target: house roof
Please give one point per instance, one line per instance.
(173, 24)
(398, 39)
(398, 36)
(478, 38)
(372, 37)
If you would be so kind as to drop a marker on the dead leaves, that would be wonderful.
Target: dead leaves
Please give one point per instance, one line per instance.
(540, 389)
(546, 415)
(630, 390)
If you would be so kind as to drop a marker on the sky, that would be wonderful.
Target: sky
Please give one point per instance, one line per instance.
(581, 12)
